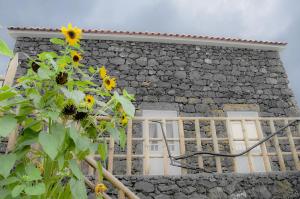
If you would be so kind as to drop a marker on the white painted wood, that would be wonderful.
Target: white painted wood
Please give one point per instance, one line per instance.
(246, 132)
(160, 166)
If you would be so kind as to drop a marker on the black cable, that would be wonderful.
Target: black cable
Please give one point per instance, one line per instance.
(174, 160)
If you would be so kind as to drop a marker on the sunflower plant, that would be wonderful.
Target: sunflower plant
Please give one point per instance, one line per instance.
(62, 113)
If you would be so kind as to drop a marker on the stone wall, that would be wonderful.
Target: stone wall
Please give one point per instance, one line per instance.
(193, 80)
(196, 80)
(214, 186)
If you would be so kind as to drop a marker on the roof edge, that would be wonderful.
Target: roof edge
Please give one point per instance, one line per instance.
(16, 32)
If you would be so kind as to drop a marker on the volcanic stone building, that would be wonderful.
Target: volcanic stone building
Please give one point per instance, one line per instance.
(210, 94)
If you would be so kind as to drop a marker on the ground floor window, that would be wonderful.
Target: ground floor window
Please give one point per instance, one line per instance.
(250, 130)
(156, 142)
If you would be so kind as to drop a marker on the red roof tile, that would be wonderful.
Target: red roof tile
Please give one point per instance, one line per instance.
(155, 34)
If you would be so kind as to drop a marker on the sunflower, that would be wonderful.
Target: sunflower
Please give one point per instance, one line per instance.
(35, 66)
(69, 109)
(76, 57)
(124, 119)
(90, 101)
(109, 83)
(100, 188)
(102, 72)
(80, 115)
(61, 78)
(72, 34)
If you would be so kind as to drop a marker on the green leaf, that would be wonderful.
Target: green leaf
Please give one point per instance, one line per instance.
(126, 104)
(113, 131)
(100, 170)
(75, 169)
(17, 190)
(78, 189)
(8, 181)
(44, 73)
(52, 114)
(4, 49)
(7, 163)
(61, 161)
(58, 131)
(76, 96)
(47, 55)
(49, 144)
(52, 142)
(57, 41)
(8, 124)
(129, 96)
(92, 70)
(4, 193)
(35, 190)
(122, 138)
(7, 94)
(102, 150)
(81, 143)
(63, 60)
(32, 172)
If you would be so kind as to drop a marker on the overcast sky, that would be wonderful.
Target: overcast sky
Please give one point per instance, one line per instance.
(276, 20)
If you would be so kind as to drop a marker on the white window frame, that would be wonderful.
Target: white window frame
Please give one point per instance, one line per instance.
(239, 146)
(156, 147)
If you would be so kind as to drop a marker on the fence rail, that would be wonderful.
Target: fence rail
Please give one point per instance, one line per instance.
(217, 134)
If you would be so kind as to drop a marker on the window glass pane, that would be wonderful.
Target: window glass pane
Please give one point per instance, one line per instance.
(256, 149)
(153, 131)
(251, 129)
(236, 129)
(169, 127)
(239, 146)
(242, 164)
(258, 162)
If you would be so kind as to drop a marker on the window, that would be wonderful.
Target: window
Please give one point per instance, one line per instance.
(156, 141)
(239, 141)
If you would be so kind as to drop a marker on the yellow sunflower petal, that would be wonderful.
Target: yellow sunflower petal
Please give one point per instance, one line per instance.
(76, 57)
(113, 82)
(124, 120)
(63, 29)
(102, 72)
(72, 34)
(90, 101)
(100, 188)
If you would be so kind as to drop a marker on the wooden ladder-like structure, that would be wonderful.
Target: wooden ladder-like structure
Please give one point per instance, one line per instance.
(123, 191)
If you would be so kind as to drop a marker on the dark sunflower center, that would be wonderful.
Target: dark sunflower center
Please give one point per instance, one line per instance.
(89, 100)
(107, 82)
(71, 34)
(35, 66)
(75, 58)
(62, 78)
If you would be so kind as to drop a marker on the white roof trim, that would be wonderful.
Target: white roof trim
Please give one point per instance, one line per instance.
(150, 38)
